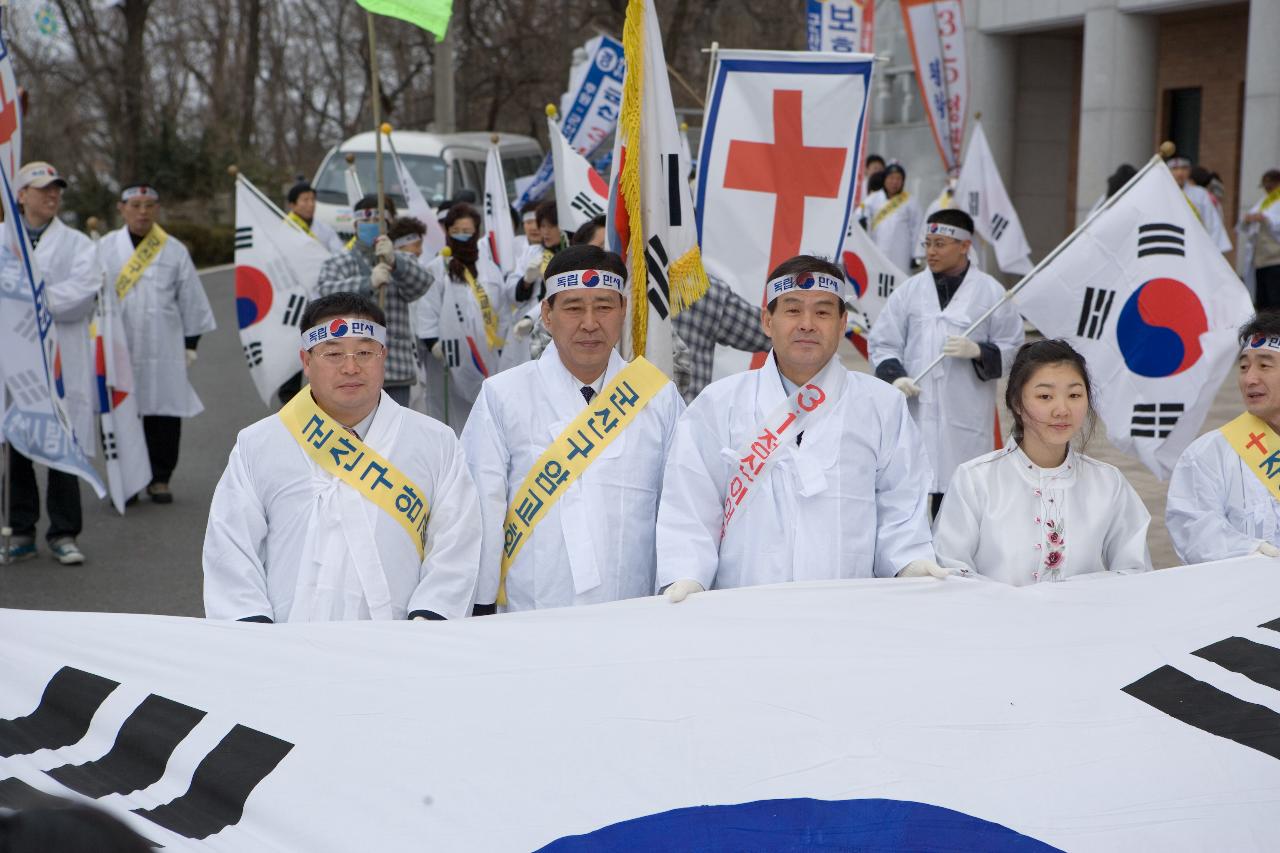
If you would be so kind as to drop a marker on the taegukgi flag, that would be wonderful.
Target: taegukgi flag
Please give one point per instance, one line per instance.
(581, 194)
(124, 442)
(870, 273)
(499, 233)
(416, 204)
(980, 192)
(1144, 294)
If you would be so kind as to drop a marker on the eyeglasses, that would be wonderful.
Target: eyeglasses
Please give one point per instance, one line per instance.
(363, 357)
(939, 242)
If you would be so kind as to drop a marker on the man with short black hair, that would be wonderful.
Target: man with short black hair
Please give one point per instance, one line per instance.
(302, 213)
(343, 505)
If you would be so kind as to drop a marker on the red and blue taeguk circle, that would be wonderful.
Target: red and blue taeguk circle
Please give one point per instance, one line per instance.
(806, 281)
(338, 328)
(253, 296)
(1159, 328)
(590, 278)
(855, 271)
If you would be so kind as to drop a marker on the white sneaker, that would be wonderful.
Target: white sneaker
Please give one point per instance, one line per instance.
(66, 552)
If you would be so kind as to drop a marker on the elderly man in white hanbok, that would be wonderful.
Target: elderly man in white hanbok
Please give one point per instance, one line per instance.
(1038, 510)
(893, 218)
(926, 316)
(165, 311)
(1201, 202)
(801, 470)
(567, 451)
(1224, 494)
(344, 505)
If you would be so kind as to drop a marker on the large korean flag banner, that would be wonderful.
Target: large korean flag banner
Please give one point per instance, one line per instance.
(778, 163)
(935, 33)
(1098, 714)
(277, 265)
(581, 194)
(1144, 294)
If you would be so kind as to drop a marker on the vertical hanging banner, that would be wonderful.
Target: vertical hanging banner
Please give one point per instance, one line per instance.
(778, 164)
(841, 26)
(935, 32)
(499, 233)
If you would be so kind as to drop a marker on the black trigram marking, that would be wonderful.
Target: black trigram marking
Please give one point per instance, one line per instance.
(885, 283)
(586, 205)
(68, 704)
(1161, 238)
(1154, 420)
(109, 448)
(293, 310)
(998, 224)
(1254, 661)
(452, 352)
(1094, 312)
(659, 290)
(974, 202)
(244, 237)
(673, 189)
(253, 353)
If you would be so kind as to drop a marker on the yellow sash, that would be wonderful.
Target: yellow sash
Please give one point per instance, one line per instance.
(581, 443)
(301, 223)
(486, 311)
(1258, 446)
(547, 255)
(346, 457)
(1272, 198)
(145, 252)
(1191, 204)
(890, 206)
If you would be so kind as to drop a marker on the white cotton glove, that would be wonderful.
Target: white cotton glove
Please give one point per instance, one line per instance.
(385, 250)
(419, 619)
(906, 386)
(191, 357)
(1266, 549)
(960, 347)
(533, 272)
(680, 590)
(523, 328)
(924, 569)
(437, 350)
(380, 276)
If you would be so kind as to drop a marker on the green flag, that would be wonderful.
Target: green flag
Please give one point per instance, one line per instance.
(431, 15)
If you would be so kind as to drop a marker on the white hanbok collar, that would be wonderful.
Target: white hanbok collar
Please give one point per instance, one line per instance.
(1060, 477)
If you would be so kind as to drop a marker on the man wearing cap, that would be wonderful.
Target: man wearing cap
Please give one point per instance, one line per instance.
(1201, 202)
(567, 451)
(954, 404)
(302, 213)
(373, 267)
(893, 217)
(801, 470)
(343, 505)
(165, 311)
(1259, 259)
(66, 259)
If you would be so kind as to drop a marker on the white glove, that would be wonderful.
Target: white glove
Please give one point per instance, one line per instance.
(923, 569)
(906, 386)
(191, 357)
(533, 272)
(1266, 549)
(523, 327)
(385, 250)
(419, 619)
(437, 350)
(380, 276)
(958, 347)
(680, 590)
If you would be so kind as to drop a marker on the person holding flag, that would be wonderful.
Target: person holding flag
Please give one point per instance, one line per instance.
(801, 470)
(567, 451)
(893, 217)
(343, 505)
(302, 213)
(164, 310)
(955, 402)
(1224, 496)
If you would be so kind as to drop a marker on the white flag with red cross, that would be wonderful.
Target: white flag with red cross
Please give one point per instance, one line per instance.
(778, 164)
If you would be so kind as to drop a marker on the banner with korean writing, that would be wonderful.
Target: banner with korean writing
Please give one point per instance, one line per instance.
(935, 32)
(841, 26)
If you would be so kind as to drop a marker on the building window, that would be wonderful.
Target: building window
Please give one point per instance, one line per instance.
(1182, 121)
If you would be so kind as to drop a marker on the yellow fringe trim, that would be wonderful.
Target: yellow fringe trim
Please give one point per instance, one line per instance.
(687, 281)
(629, 181)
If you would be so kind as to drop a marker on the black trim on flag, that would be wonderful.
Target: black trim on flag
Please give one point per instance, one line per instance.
(1209, 709)
(1094, 312)
(244, 237)
(659, 290)
(140, 753)
(62, 718)
(1161, 238)
(221, 785)
(1154, 420)
(1254, 661)
(673, 189)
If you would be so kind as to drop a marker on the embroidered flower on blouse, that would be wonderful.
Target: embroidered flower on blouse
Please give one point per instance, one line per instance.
(1053, 559)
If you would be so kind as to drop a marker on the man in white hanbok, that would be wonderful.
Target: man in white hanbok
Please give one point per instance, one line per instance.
(291, 539)
(1258, 260)
(596, 542)
(1201, 202)
(893, 218)
(1220, 505)
(801, 470)
(955, 403)
(165, 311)
(525, 287)
(302, 213)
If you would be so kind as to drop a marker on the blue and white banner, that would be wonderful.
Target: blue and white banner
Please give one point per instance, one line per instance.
(1097, 714)
(841, 26)
(592, 115)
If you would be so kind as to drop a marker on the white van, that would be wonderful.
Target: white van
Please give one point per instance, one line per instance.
(441, 164)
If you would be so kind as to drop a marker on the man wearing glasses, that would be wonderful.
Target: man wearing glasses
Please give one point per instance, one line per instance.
(344, 505)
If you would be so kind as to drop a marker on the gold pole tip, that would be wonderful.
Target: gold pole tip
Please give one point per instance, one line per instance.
(386, 128)
(446, 252)
(493, 137)
(92, 223)
(350, 158)
(1167, 149)
(233, 170)
(684, 125)
(552, 112)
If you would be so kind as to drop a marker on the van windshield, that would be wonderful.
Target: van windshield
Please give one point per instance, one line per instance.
(428, 173)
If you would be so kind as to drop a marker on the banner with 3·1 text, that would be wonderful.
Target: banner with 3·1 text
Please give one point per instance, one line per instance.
(1098, 714)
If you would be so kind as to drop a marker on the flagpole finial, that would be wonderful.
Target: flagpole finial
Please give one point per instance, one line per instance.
(446, 252)
(1167, 149)
(977, 116)
(684, 126)
(350, 158)
(233, 170)
(386, 128)
(493, 137)
(552, 112)
(92, 223)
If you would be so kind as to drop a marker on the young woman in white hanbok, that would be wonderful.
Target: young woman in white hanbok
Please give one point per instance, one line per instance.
(1040, 510)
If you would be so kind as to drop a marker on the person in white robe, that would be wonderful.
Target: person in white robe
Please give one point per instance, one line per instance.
(594, 540)
(344, 505)
(66, 259)
(893, 218)
(525, 287)
(954, 404)
(165, 311)
(801, 470)
(1201, 202)
(1223, 500)
(1039, 510)
(1258, 260)
(460, 336)
(302, 213)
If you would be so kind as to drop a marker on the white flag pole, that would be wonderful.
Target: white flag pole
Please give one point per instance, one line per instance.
(1026, 279)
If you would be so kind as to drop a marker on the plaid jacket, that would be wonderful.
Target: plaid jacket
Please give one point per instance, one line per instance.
(349, 273)
(720, 317)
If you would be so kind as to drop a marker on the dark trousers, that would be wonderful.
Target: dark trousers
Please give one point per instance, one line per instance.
(1267, 293)
(62, 500)
(162, 433)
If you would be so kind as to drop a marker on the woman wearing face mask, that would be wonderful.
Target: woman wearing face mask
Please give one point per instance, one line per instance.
(1039, 510)
(458, 320)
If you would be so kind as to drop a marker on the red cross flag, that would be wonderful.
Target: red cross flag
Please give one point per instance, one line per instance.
(778, 162)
